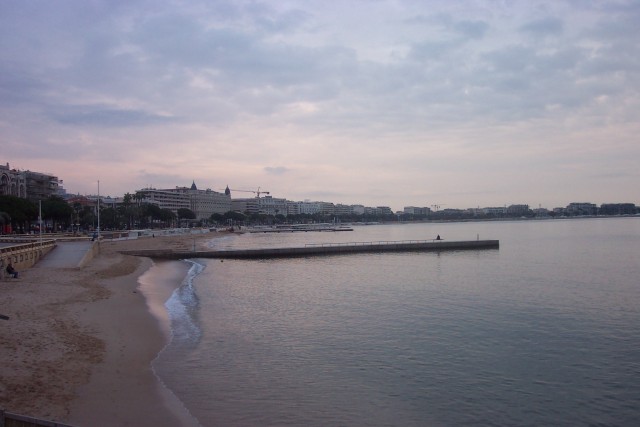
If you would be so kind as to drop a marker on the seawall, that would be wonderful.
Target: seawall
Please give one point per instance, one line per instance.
(23, 255)
(322, 249)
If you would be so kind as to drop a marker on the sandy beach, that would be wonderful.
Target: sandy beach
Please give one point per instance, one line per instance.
(79, 343)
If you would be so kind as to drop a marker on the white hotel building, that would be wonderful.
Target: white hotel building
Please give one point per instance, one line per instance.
(202, 202)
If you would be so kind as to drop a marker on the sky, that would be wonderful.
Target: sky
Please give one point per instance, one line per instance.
(380, 102)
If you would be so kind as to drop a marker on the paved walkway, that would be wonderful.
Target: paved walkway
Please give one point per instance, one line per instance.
(64, 255)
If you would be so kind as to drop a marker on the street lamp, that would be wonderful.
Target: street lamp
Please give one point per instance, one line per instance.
(98, 211)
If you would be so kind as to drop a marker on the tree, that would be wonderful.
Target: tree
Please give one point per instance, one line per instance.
(110, 218)
(57, 210)
(5, 219)
(126, 209)
(88, 217)
(151, 213)
(21, 212)
(184, 213)
(216, 217)
(138, 197)
(234, 217)
(167, 217)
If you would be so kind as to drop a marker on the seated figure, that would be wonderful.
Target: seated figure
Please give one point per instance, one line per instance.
(12, 271)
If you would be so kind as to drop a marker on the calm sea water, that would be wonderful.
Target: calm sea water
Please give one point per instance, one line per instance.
(543, 331)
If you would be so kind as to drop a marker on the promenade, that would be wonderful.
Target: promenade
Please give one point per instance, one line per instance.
(65, 255)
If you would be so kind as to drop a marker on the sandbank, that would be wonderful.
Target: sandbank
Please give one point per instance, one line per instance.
(79, 343)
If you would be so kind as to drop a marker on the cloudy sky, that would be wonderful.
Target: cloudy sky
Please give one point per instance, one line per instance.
(379, 102)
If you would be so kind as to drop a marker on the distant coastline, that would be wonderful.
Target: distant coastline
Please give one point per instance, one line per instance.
(548, 218)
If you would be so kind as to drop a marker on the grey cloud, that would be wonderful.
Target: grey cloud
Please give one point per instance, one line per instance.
(237, 60)
(432, 50)
(103, 116)
(472, 29)
(287, 21)
(616, 22)
(612, 175)
(468, 29)
(156, 180)
(543, 27)
(512, 59)
(18, 87)
(278, 170)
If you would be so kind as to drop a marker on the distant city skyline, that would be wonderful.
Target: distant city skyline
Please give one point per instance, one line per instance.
(387, 103)
(242, 194)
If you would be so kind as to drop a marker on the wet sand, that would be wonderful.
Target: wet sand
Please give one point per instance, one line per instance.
(79, 343)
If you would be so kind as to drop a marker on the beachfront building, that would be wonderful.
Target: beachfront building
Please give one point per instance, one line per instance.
(203, 203)
(495, 211)
(358, 209)
(382, 210)
(559, 211)
(293, 208)
(306, 208)
(13, 182)
(518, 210)
(578, 209)
(618, 209)
(413, 210)
(267, 205)
(541, 212)
(30, 185)
(324, 208)
(343, 210)
(166, 199)
(247, 205)
(327, 208)
(41, 186)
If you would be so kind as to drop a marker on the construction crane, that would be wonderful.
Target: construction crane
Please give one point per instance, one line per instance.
(256, 192)
(436, 207)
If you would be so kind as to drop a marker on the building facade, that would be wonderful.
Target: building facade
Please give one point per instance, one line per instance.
(12, 182)
(203, 203)
(267, 205)
(517, 210)
(413, 210)
(618, 209)
(581, 208)
(29, 185)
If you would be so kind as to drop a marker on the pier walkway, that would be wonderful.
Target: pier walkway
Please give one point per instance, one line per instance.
(323, 249)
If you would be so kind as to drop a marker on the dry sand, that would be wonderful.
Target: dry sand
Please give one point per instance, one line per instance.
(79, 342)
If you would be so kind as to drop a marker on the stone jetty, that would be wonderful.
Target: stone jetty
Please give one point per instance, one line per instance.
(324, 249)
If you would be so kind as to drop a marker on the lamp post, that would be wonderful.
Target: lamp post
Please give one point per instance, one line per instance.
(98, 211)
(40, 219)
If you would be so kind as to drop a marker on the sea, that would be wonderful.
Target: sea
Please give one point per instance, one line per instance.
(544, 330)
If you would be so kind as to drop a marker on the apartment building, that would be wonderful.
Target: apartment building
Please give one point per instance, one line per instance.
(27, 184)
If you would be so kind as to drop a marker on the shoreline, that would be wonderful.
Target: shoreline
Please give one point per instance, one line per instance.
(80, 342)
(158, 284)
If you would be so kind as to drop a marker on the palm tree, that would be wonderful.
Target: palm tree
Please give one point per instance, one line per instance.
(126, 203)
(138, 197)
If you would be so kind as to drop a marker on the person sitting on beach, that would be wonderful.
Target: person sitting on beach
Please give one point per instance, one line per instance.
(438, 238)
(12, 271)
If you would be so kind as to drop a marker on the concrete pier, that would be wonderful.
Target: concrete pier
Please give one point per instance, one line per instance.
(324, 249)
